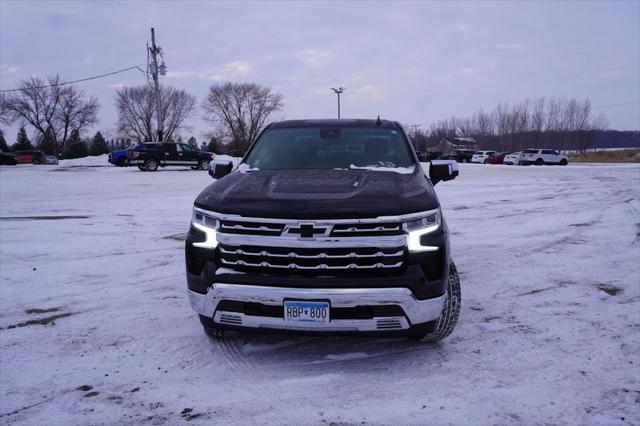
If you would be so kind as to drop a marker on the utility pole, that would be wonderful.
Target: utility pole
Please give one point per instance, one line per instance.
(338, 91)
(156, 51)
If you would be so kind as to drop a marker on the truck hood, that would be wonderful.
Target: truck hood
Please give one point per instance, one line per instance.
(319, 194)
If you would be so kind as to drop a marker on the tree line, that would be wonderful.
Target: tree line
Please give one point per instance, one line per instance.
(237, 112)
(558, 123)
(59, 114)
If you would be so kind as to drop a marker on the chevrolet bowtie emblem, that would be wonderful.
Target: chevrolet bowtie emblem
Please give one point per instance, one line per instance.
(308, 231)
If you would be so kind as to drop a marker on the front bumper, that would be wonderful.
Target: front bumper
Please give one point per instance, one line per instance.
(416, 312)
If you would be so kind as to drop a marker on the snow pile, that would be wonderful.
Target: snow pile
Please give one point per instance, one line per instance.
(90, 161)
(222, 157)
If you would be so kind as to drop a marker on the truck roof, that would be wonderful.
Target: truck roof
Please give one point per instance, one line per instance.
(335, 122)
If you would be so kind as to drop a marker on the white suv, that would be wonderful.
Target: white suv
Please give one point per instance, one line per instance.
(481, 156)
(542, 156)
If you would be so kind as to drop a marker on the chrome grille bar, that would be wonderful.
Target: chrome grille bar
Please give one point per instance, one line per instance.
(321, 266)
(315, 256)
(387, 241)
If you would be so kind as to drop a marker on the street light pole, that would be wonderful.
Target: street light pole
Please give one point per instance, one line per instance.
(338, 91)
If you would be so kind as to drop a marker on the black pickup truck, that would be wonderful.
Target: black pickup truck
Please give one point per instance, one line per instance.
(325, 226)
(150, 156)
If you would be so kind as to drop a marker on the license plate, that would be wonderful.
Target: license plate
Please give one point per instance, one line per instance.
(306, 312)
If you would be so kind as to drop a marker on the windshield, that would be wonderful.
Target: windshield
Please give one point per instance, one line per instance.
(329, 148)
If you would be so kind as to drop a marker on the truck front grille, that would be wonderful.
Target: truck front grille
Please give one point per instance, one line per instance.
(324, 261)
(279, 228)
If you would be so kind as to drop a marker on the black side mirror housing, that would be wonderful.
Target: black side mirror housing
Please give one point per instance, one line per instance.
(442, 170)
(219, 169)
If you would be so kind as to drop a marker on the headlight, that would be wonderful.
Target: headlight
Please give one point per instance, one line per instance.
(207, 224)
(416, 228)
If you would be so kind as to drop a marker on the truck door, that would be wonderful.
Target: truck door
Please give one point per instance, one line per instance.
(185, 154)
(170, 153)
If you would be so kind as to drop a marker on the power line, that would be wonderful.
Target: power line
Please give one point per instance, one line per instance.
(80, 80)
(615, 105)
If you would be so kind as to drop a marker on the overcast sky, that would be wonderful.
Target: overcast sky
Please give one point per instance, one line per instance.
(415, 62)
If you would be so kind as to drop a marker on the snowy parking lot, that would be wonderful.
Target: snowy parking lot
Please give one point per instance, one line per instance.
(95, 326)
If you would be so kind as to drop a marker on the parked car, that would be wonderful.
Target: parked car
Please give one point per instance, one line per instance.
(481, 156)
(119, 157)
(543, 156)
(426, 156)
(8, 159)
(327, 226)
(497, 158)
(422, 156)
(51, 159)
(150, 156)
(513, 158)
(459, 155)
(31, 156)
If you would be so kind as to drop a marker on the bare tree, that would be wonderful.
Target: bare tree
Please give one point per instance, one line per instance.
(177, 106)
(49, 105)
(241, 110)
(137, 111)
(5, 113)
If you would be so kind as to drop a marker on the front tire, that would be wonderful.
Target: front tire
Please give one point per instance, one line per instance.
(539, 162)
(151, 165)
(563, 162)
(210, 329)
(450, 311)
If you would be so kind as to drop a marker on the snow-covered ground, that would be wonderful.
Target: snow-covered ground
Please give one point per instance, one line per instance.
(95, 327)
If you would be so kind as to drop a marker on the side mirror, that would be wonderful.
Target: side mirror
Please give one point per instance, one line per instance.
(442, 170)
(219, 169)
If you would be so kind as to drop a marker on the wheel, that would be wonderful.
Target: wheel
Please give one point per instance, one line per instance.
(564, 162)
(464, 160)
(36, 162)
(151, 165)
(485, 161)
(539, 162)
(450, 311)
(122, 161)
(203, 164)
(210, 329)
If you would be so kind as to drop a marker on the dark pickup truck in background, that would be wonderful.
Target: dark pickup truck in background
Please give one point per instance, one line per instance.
(459, 155)
(150, 156)
(325, 226)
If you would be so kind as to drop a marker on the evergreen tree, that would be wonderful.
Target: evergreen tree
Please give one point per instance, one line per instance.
(22, 141)
(3, 142)
(76, 147)
(213, 146)
(48, 143)
(98, 145)
(192, 143)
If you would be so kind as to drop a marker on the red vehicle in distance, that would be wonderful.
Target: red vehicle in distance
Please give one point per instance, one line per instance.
(497, 158)
(30, 156)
